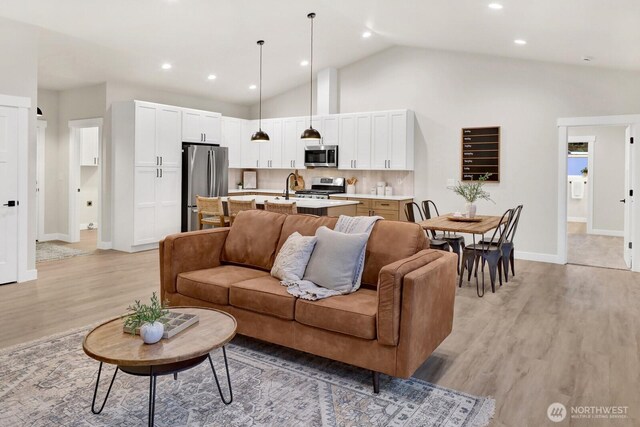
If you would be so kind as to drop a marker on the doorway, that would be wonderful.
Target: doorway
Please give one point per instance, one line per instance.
(40, 184)
(596, 214)
(595, 196)
(85, 183)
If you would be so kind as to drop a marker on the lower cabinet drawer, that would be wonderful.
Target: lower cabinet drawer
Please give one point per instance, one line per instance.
(387, 205)
(364, 203)
(363, 211)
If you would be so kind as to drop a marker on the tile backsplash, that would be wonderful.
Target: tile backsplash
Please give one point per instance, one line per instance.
(401, 181)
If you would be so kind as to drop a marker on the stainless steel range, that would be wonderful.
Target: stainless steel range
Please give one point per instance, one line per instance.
(322, 187)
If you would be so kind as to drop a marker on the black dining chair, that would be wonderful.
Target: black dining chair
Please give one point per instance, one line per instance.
(456, 242)
(507, 245)
(409, 211)
(490, 253)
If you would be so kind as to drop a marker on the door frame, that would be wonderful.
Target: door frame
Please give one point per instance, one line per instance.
(40, 172)
(633, 122)
(74, 176)
(591, 140)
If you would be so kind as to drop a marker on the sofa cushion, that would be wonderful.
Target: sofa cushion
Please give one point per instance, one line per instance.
(353, 314)
(263, 295)
(389, 242)
(212, 284)
(307, 225)
(253, 238)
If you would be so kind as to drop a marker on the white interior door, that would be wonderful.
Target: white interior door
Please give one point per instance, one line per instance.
(8, 194)
(40, 156)
(628, 205)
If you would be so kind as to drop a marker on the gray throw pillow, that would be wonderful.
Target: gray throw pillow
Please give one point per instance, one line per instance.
(335, 259)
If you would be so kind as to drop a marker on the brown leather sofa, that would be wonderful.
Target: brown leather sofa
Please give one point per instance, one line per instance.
(402, 312)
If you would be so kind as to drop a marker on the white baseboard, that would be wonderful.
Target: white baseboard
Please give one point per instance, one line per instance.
(27, 276)
(576, 219)
(538, 257)
(614, 233)
(54, 236)
(105, 245)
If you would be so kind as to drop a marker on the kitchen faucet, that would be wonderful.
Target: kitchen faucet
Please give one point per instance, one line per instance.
(286, 186)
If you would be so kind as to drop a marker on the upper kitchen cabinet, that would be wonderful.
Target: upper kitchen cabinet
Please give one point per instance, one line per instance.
(250, 149)
(157, 135)
(201, 126)
(271, 151)
(392, 140)
(355, 141)
(329, 129)
(292, 145)
(232, 139)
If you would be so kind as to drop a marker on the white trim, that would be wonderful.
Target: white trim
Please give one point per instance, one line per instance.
(41, 172)
(633, 122)
(15, 101)
(538, 257)
(589, 139)
(23, 194)
(74, 175)
(105, 245)
(613, 233)
(28, 276)
(55, 236)
(576, 219)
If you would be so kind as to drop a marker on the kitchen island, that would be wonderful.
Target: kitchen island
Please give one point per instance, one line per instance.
(320, 207)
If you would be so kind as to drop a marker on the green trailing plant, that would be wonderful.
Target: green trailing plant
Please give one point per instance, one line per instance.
(472, 191)
(584, 171)
(143, 313)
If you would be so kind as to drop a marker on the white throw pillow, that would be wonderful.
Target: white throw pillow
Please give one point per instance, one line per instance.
(335, 259)
(293, 257)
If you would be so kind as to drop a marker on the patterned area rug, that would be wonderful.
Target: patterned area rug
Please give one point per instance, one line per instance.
(50, 382)
(46, 251)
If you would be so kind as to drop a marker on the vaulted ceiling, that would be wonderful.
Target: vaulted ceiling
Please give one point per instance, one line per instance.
(92, 41)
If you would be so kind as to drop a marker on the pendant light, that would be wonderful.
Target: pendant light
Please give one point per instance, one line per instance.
(311, 134)
(260, 136)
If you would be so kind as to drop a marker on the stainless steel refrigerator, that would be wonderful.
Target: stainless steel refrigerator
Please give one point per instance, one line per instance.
(204, 173)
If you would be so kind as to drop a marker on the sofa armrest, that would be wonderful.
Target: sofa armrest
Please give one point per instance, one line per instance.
(190, 251)
(390, 282)
(428, 296)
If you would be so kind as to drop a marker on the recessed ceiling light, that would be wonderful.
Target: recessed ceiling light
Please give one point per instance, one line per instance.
(521, 42)
(495, 6)
(211, 77)
(304, 63)
(366, 34)
(253, 87)
(166, 66)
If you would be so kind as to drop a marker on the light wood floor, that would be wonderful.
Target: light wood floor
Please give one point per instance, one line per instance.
(594, 250)
(568, 334)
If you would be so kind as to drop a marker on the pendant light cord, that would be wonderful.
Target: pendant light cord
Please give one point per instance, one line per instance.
(260, 118)
(311, 79)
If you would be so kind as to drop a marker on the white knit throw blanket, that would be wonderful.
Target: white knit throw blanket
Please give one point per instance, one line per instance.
(308, 290)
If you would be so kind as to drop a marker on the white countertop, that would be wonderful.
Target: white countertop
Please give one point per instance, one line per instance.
(300, 202)
(257, 190)
(371, 196)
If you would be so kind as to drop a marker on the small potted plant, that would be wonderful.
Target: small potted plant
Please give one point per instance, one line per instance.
(472, 192)
(240, 185)
(585, 171)
(148, 318)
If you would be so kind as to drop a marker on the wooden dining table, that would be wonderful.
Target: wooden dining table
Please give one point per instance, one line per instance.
(480, 227)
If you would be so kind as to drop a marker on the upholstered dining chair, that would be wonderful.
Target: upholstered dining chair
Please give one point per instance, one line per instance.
(409, 211)
(236, 206)
(211, 212)
(285, 208)
(479, 254)
(507, 245)
(456, 242)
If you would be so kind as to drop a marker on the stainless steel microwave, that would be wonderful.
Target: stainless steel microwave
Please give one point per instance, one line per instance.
(321, 156)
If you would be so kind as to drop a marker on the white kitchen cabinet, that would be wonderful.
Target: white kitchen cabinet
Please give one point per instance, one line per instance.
(147, 165)
(292, 145)
(250, 149)
(355, 141)
(271, 151)
(89, 155)
(330, 129)
(392, 140)
(201, 126)
(232, 139)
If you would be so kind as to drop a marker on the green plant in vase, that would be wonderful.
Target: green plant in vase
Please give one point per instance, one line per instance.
(471, 192)
(148, 318)
(585, 171)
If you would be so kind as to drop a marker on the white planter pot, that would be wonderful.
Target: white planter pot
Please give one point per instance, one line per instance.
(151, 333)
(470, 210)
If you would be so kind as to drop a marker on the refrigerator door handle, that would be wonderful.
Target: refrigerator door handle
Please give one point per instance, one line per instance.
(210, 173)
(214, 185)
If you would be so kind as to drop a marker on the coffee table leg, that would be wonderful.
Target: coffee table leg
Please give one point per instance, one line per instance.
(226, 366)
(152, 396)
(95, 392)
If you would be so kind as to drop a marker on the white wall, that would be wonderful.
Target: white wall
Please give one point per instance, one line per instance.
(19, 77)
(607, 176)
(48, 102)
(449, 91)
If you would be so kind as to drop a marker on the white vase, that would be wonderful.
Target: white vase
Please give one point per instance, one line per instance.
(151, 333)
(470, 210)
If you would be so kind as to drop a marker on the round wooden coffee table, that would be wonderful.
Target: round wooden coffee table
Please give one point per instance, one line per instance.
(108, 343)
